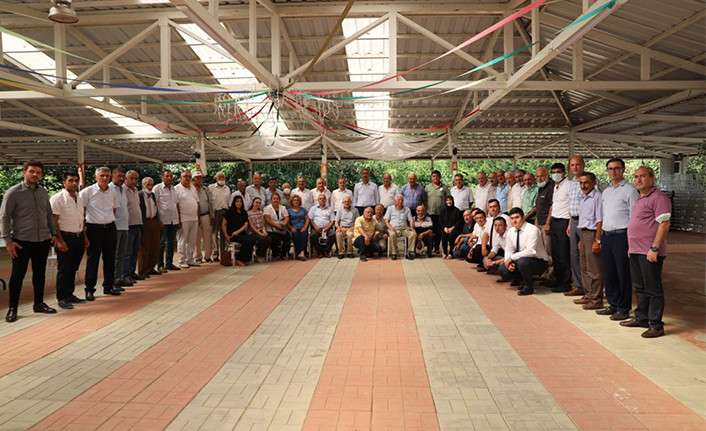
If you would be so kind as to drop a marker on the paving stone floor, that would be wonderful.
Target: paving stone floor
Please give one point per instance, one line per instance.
(344, 345)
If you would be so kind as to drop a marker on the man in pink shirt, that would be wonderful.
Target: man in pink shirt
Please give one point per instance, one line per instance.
(647, 240)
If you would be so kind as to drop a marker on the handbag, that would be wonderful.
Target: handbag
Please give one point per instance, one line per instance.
(226, 258)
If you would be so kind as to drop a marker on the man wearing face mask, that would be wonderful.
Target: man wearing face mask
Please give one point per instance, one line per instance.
(220, 195)
(556, 226)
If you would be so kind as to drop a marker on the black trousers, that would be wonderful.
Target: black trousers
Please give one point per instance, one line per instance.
(37, 252)
(436, 227)
(647, 281)
(526, 268)
(561, 252)
(321, 248)
(616, 270)
(247, 242)
(363, 249)
(279, 242)
(428, 240)
(447, 241)
(101, 244)
(166, 245)
(67, 264)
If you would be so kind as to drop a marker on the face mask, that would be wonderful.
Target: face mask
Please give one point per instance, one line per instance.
(221, 183)
(286, 191)
(541, 184)
(557, 177)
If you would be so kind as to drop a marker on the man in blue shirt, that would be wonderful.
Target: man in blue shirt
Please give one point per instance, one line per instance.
(413, 193)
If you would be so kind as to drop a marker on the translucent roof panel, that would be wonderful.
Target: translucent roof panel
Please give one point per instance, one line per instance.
(368, 59)
(32, 58)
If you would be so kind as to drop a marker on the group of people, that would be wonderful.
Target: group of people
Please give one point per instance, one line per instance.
(522, 227)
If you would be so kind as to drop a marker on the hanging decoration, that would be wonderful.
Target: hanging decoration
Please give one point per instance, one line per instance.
(387, 147)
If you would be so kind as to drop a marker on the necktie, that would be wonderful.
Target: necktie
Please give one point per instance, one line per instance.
(492, 226)
(517, 243)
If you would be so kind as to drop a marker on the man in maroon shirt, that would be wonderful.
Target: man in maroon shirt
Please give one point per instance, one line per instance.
(647, 240)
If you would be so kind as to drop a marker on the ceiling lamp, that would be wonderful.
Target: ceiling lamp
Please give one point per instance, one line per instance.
(62, 12)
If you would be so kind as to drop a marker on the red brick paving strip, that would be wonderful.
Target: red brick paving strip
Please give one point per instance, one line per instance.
(596, 388)
(51, 334)
(151, 390)
(374, 376)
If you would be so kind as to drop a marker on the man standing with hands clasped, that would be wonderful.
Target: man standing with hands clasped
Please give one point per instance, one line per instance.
(27, 228)
(647, 242)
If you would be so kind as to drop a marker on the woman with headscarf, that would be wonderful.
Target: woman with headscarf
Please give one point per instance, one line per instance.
(451, 220)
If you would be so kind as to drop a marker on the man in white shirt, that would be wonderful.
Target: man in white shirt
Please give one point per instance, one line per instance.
(486, 239)
(494, 252)
(485, 191)
(481, 229)
(321, 189)
(272, 188)
(67, 210)
(255, 190)
(220, 199)
(557, 226)
(169, 216)
(322, 232)
(516, 189)
(387, 191)
(339, 194)
(345, 219)
(134, 235)
(525, 255)
(365, 192)
(463, 197)
(202, 246)
(399, 220)
(100, 204)
(188, 206)
(241, 190)
(122, 226)
(304, 193)
(149, 249)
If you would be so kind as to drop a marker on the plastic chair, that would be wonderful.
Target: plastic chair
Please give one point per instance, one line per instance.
(404, 244)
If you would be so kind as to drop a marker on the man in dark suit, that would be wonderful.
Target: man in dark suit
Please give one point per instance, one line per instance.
(149, 249)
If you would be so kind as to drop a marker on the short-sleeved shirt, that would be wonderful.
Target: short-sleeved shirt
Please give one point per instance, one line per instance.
(346, 217)
(277, 216)
(387, 195)
(315, 196)
(590, 210)
(618, 202)
(134, 213)
(515, 197)
(69, 209)
(435, 198)
(256, 219)
(413, 196)
(167, 203)
(650, 210)
(398, 218)
(320, 217)
(305, 196)
(220, 196)
(362, 225)
(463, 197)
(121, 212)
(544, 201)
(528, 199)
(235, 220)
(100, 204)
(380, 225)
(337, 197)
(255, 192)
(424, 224)
(188, 201)
(297, 218)
(26, 214)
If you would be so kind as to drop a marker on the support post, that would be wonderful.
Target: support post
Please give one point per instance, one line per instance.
(666, 167)
(645, 67)
(577, 61)
(275, 42)
(508, 46)
(535, 32)
(165, 52)
(392, 43)
(200, 148)
(452, 154)
(252, 28)
(213, 8)
(572, 143)
(81, 147)
(323, 169)
(59, 54)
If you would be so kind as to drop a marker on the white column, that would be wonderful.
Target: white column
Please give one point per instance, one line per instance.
(213, 7)
(59, 56)
(323, 170)
(509, 43)
(81, 147)
(275, 43)
(392, 43)
(252, 28)
(535, 32)
(200, 147)
(165, 52)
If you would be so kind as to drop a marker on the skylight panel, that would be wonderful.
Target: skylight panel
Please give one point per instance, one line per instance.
(368, 60)
(32, 58)
(228, 72)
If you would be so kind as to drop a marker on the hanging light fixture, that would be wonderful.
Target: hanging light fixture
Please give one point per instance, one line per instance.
(62, 12)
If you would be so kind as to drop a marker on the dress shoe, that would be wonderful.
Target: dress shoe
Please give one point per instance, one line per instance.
(525, 292)
(75, 299)
(363, 258)
(592, 306)
(90, 296)
(66, 304)
(502, 280)
(583, 301)
(653, 333)
(481, 269)
(118, 288)
(113, 292)
(411, 256)
(44, 309)
(173, 268)
(574, 292)
(634, 323)
(122, 282)
(620, 315)
(340, 256)
(11, 315)
(207, 260)
(516, 283)
(137, 277)
(194, 264)
(153, 272)
(608, 311)
(393, 256)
